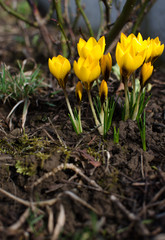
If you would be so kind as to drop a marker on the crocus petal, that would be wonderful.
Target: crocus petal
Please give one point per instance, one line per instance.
(54, 68)
(87, 70)
(80, 46)
(76, 68)
(119, 54)
(65, 69)
(87, 49)
(96, 52)
(123, 39)
(78, 91)
(91, 47)
(139, 37)
(101, 42)
(94, 74)
(84, 74)
(146, 72)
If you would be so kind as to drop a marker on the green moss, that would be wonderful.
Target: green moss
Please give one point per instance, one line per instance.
(26, 167)
(66, 152)
(96, 154)
(28, 152)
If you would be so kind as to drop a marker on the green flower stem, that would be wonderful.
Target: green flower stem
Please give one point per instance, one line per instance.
(79, 118)
(134, 88)
(102, 115)
(136, 110)
(94, 113)
(85, 18)
(97, 82)
(126, 99)
(69, 107)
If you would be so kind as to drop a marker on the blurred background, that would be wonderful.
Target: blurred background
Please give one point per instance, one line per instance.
(153, 23)
(51, 33)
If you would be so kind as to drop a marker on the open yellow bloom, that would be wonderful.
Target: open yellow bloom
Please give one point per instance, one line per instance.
(155, 49)
(146, 72)
(137, 42)
(103, 91)
(91, 47)
(128, 60)
(87, 70)
(78, 92)
(60, 67)
(125, 41)
(106, 65)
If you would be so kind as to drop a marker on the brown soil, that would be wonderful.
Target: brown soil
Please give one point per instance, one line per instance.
(101, 190)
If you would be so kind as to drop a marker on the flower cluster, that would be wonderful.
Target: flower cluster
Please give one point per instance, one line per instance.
(132, 53)
(91, 63)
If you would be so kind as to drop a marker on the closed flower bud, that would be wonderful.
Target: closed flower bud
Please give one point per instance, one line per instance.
(91, 47)
(60, 67)
(78, 92)
(146, 72)
(103, 91)
(106, 65)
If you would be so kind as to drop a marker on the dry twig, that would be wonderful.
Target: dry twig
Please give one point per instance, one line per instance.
(50, 219)
(60, 223)
(142, 230)
(78, 199)
(63, 167)
(29, 203)
(13, 229)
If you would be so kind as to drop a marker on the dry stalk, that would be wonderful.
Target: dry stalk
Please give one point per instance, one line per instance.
(78, 199)
(14, 228)
(64, 167)
(107, 160)
(158, 194)
(60, 223)
(58, 136)
(141, 228)
(29, 203)
(50, 219)
(154, 201)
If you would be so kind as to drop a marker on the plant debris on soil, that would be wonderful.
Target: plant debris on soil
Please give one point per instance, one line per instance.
(55, 184)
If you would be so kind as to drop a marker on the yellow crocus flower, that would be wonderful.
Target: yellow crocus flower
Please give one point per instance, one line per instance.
(106, 65)
(87, 70)
(155, 49)
(146, 72)
(103, 91)
(139, 44)
(128, 60)
(125, 41)
(60, 67)
(91, 47)
(78, 92)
